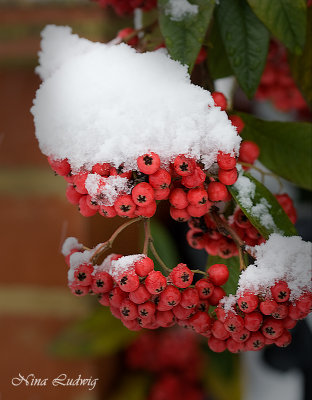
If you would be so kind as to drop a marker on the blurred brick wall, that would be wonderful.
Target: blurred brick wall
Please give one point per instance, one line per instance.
(35, 304)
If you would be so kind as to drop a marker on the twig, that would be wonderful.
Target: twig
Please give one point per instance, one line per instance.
(160, 261)
(147, 235)
(108, 244)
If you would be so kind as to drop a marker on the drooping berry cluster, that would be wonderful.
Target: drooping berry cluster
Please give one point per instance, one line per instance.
(258, 320)
(204, 234)
(277, 83)
(174, 359)
(123, 7)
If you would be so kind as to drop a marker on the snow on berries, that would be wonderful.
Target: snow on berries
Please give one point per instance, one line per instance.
(124, 144)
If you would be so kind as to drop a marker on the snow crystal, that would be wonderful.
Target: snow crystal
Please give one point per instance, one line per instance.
(279, 258)
(106, 190)
(179, 9)
(246, 192)
(228, 303)
(106, 264)
(69, 244)
(123, 264)
(103, 103)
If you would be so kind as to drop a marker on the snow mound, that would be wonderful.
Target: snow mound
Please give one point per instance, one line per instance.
(108, 103)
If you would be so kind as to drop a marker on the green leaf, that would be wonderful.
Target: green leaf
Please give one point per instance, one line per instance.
(233, 265)
(164, 244)
(286, 19)
(285, 147)
(262, 208)
(185, 36)
(99, 334)
(246, 42)
(301, 65)
(218, 63)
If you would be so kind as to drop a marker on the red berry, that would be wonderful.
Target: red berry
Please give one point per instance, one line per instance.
(241, 336)
(165, 318)
(142, 194)
(60, 167)
(146, 310)
(198, 211)
(304, 303)
(83, 275)
(203, 305)
(116, 297)
(128, 310)
(248, 302)
(253, 321)
(104, 299)
(147, 211)
(182, 313)
(115, 312)
(281, 311)
(107, 211)
(284, 340)
(195, 238)
(241, 220)
(217, 191)
(155, 282)
(160, 179)
(255, 342)
(268, 306)
(226, 161)
(161, 194)
(181, 276)
(79, 290)
(218, 274)
(234, 323)
(144, 266)
(227, 177)
(197, 178)
(101, 169)
(189, 298)
(272, 328)
(216, 345)
(205, 288)
(124, 33)
(234, 346)
(102, 282)
(280, 291)
(219, 100)
(184, 166)
(197, 197)
(289, 323)
(140, 295)
(149, 163)
(217, 294)
(128, 281)
(72, 195)
(218, 330)
(124, 206)
(79, 182)
(132, 325)
(200, 322)
(237, 122)
(171, 297)
(178, 198)
(179, 215)
(84, 208)
(249, 152)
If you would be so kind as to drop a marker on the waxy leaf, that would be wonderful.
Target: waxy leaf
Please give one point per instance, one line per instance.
(261, 207)
(184, 34)
(286, 19)
(285, 147)
(246, 42)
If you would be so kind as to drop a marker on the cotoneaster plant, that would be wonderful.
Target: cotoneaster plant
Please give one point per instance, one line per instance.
(125, 126)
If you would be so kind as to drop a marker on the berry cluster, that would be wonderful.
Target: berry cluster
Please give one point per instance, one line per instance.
(123, 7)
(277, 83)
(191, 190)
(174, 357)
(142, 297)
(204, 233)
(258, 320)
